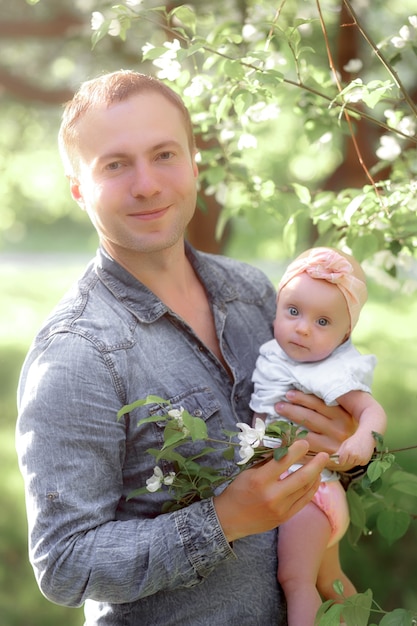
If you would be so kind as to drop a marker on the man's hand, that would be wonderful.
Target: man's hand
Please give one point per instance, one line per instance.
(329, 426)
(258, 500)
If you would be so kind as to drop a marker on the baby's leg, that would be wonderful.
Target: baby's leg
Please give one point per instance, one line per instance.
(302, 542)
(331, 570)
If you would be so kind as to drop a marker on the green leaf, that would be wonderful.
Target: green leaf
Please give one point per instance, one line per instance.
(357, 608)
(393, 524)
(186, 15)
(397, 617)
(195, 425)
(242, 102)
(302, 193)
(376, 469)
(134, 405)
(229, 453)
(404, 482)
(223, 107)
(173, 435)
(280, 452)
(153, 53)
(289, 235)
(364, 247)
(356, 508)
(328, 614)
(100, 33)
(234, 69)
(137, 492)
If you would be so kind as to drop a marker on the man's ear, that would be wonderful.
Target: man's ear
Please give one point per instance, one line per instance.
(75, 189)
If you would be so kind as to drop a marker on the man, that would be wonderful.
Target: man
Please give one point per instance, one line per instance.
(151, 316)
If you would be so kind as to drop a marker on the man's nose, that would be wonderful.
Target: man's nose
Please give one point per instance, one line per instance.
(144, 181)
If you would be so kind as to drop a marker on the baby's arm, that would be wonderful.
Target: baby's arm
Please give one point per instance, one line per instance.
(358, 449)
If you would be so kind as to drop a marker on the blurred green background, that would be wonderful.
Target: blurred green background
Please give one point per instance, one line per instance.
(45, 241)
(31, 283)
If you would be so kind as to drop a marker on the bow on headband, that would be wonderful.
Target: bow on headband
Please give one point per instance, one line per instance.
(327, 264)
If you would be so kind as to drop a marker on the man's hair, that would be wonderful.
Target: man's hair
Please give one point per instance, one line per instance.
(105, 91)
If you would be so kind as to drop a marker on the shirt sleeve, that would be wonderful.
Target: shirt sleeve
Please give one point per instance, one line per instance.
(71, 450)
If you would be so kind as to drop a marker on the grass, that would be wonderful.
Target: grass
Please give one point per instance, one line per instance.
(29, 287)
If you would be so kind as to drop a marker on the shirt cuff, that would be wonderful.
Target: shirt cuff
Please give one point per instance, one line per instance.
(202, 536)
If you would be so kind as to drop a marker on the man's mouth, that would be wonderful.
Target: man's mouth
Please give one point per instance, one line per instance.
(149, 214)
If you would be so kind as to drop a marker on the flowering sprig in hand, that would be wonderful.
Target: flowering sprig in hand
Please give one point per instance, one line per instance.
(191, 480)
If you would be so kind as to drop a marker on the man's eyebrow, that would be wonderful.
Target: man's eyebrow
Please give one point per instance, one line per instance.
(113, 156)
(165, 144)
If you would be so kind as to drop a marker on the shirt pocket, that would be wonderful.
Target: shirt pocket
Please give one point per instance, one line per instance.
(202, 403)
(198, 401)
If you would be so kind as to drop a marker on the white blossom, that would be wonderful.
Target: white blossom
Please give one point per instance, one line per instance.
(246, 140)
(353, 65)
(246, 452)
(405, 33)
(155, 482)
(407, 126)
(97, 20)
(389, 148)
(176, 414)
(169, 479)
(114, 28)
(262, 112)
(148, 46)
(197, 87)
(171, 70)
(398, 42)
(249, 439)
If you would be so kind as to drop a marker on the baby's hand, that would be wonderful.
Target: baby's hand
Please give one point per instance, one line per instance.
(357, 450)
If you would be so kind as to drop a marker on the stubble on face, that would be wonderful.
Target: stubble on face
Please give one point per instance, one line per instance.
(145, 203)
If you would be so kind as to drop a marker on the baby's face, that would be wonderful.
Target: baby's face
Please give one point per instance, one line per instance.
(312, 319)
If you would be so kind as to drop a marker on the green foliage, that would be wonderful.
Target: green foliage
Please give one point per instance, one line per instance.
(30, 286)
(376, 497)
(358, 609)
(237, 77)
(191, 479)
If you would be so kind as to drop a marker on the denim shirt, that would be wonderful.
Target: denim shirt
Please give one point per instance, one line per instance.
(108, 343)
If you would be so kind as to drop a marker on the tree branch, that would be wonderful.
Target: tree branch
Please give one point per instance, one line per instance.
(24, 90)
(54, 27)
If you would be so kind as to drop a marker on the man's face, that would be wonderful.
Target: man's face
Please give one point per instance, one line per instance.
(137, 177)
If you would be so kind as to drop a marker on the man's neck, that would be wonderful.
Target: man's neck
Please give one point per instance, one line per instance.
(171, 277)
(163, 271)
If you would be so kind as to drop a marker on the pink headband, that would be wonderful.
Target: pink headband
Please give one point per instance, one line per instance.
(326, 264)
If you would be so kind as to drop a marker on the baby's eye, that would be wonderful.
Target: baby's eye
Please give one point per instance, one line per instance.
(323, 322)
(293, 311)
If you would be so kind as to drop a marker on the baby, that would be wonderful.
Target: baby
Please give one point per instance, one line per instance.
(318, 304)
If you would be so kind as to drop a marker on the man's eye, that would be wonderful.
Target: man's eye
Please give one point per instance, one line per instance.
(164, 156)
(113, 166)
